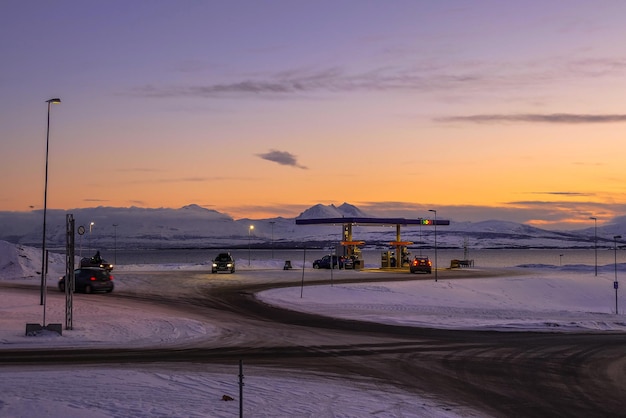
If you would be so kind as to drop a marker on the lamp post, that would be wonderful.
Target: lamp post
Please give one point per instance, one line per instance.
(272, 223)
(90, 227)
(115, 244)
(435, 212)
(249, 237)
(560, 259)
(615, 284)
(595, 239)
(45, 206)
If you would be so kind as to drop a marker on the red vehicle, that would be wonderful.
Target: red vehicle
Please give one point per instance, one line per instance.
(421, 265)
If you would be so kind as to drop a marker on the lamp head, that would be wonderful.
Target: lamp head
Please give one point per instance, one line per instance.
(54, 101)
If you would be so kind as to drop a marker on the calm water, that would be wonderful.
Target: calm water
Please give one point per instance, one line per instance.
(482, 258)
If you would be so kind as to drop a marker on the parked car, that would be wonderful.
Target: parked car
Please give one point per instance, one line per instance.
(223, 262)
(96, 261)
(89, 280)
(324, 262)
(421, 265)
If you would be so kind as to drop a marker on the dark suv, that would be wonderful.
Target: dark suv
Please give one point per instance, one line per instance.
(421, 265)
(223, 262)
(324, 262)
(89, 280)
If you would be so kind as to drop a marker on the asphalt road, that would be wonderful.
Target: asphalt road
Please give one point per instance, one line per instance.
(501, 374)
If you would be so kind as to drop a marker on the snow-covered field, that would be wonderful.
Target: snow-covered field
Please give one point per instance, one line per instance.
(547, 299)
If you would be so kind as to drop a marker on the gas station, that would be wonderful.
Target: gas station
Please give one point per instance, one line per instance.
(396, 257)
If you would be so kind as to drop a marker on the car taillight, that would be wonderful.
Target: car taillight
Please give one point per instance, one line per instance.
(111, 277)
(415, 262)
(430, 263)
(93, 278)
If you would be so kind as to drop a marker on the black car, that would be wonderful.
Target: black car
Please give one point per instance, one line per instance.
(324, 262)
(421, 265)
(223, 262)
(89, 280)
(96, 261)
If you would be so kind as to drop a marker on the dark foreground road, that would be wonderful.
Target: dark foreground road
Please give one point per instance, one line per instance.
(500, 374)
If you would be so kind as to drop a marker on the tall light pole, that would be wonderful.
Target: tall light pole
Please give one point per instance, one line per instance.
(435, 212)
(90, 227)
(272, 223)
(595, 239)
(115, 244)
(615, 284)
(45, 206)
(249, 237)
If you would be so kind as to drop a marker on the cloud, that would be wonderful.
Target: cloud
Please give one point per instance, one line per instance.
(543, 214)
(560, 118)
(573, 194)
(187, 180)
(330, 80)
(429, 75)
(282, 158)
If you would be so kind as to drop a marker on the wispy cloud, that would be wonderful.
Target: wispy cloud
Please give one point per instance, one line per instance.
(563, 193)
(560, 214)
(331, 80)
(186, 180)
(557, 118)
(428, 76)
(282, 158)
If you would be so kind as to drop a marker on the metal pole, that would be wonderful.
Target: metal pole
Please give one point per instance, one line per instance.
(45, 292)
(272, 223)
(435, 212)
(45, 207)
(615, 284)
(45, 204)
(595, 240)
(240, 388)
(115, 244)
(249, 237)
(303, 264)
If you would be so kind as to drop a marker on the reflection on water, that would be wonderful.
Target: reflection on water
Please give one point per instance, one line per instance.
(482, 258)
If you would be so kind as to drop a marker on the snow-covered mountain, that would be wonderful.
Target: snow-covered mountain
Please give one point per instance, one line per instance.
(331, 211)
(193, 226)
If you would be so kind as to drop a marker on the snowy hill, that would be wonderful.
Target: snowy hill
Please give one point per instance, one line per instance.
(193, 226)
(331, 211)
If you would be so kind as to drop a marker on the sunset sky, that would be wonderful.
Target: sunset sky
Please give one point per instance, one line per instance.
(478, 109)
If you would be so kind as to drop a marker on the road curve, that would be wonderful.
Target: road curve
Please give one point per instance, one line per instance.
(498, 373)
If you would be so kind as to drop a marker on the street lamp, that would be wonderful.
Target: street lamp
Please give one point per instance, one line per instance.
(435, 212)
(45, 206)
(615, 284)
(115, 244)
(249, 237)
(272, 223)
(560, 259)
(595, 239)
(90, 227)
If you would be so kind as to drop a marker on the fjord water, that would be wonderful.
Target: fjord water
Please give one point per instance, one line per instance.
(372, 257)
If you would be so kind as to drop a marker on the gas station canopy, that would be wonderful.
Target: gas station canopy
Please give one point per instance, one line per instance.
(371, 221)
(350, 246)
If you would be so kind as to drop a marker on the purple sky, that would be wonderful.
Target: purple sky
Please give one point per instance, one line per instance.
(482, 110)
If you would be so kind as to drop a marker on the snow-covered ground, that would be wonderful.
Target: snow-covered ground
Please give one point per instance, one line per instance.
(549, 299)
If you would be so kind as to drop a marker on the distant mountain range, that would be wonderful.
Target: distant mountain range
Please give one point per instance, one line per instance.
(193, 226)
